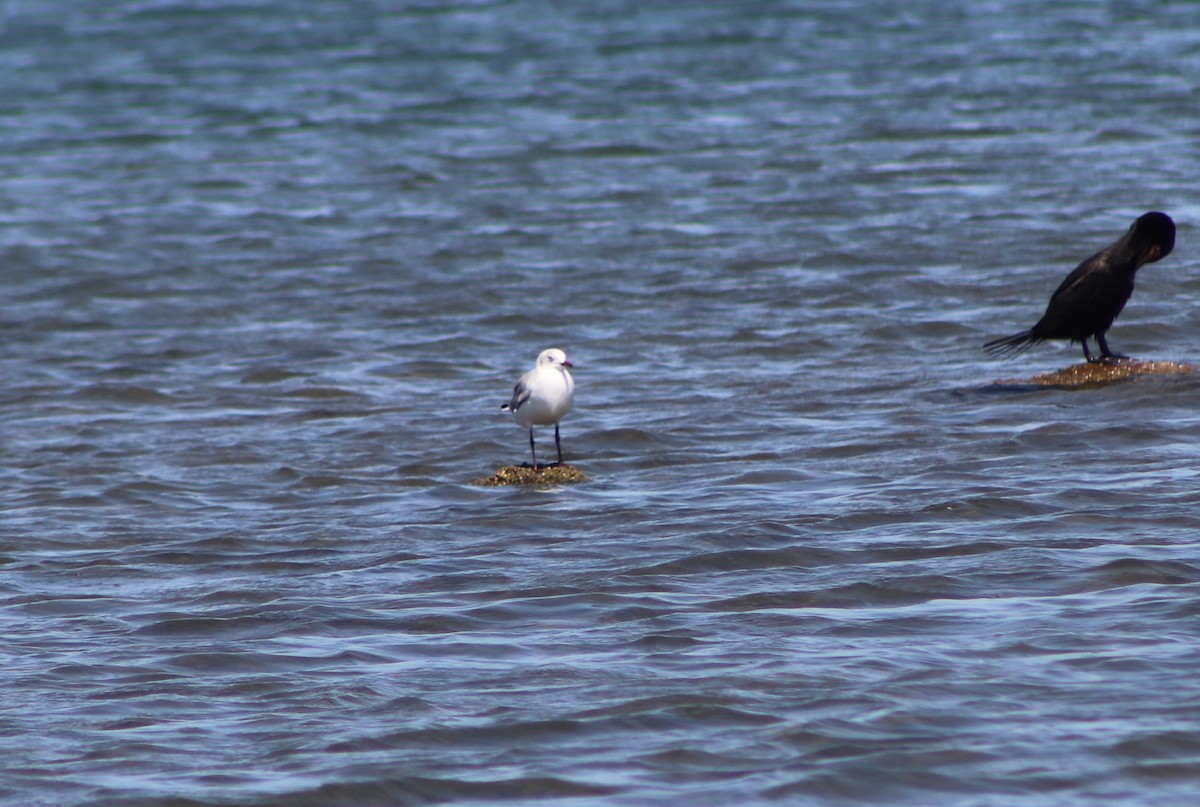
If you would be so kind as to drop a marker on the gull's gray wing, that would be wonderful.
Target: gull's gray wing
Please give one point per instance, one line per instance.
(520, 395)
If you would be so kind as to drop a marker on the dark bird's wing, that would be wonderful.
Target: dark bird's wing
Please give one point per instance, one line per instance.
(1085, 303)
(1078, 308)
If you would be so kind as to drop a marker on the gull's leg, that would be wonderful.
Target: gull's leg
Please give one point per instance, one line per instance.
(532, 452)
(558, 444)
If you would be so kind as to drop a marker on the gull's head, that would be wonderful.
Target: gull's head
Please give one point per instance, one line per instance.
(554, 357)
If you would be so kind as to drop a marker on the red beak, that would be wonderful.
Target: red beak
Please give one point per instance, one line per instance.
(567, 363)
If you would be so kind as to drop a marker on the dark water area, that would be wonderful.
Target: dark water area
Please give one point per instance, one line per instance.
(270, 269)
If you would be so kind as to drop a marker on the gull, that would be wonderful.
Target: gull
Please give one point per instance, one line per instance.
(543, 396)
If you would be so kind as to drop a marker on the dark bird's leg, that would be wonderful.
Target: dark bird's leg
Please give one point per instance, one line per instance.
(557, 444)
(1105, 353)
(1087, 354)
(532, 452)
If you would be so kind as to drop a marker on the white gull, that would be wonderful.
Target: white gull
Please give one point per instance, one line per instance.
(543, 396)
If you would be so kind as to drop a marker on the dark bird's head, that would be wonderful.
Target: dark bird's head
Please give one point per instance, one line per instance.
(1154, 234)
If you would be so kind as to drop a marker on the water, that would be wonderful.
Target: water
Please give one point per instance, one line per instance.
(269, 270)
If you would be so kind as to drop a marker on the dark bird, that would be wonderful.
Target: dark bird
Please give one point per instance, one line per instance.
(1092, 296)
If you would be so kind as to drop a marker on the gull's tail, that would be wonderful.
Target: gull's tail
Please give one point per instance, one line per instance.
(1009, 346)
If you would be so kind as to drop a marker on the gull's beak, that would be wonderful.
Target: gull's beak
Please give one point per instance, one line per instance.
(567, 363)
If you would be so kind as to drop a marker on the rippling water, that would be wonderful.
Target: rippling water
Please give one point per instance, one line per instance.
(269, 270)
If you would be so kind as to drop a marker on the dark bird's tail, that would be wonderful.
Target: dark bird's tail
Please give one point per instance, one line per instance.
(1009, 346)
